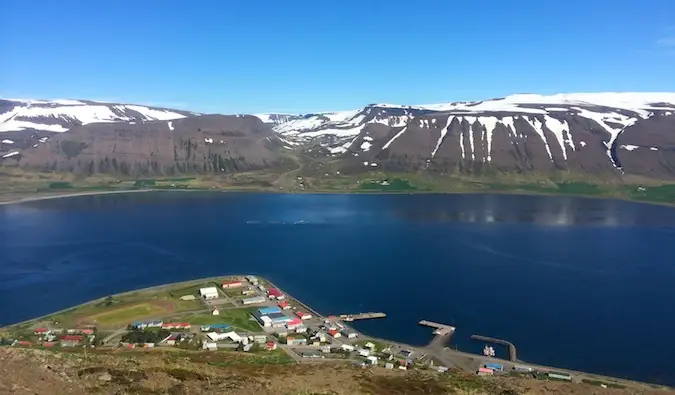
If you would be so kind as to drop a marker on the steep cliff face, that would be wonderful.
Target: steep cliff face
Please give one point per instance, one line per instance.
(198, 144)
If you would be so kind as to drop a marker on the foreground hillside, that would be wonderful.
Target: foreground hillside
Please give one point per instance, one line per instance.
(27, 371)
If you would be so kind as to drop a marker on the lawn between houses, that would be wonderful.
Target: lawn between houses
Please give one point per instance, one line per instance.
(238, 318)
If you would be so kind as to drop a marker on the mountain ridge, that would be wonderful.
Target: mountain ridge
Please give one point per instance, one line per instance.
(599, 133)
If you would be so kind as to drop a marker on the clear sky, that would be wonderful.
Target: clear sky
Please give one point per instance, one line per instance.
(298, 56)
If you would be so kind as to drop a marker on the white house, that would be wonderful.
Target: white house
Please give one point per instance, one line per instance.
(209, 293)
(364, 353)
(372, 360)
(223, 336)
(300, 329)
(215, 311)
(347, 347)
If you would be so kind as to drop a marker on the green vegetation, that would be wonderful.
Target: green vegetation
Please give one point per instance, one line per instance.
(190, 290)
(145, 336)
(60, 185)
(660, 193)
(394, 185)
(124, 315)
(238, 318)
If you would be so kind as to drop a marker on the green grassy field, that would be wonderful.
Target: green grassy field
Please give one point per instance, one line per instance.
(238, 318)
(190, 290)
(121, 316)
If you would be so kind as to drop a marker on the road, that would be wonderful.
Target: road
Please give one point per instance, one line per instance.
(113, 335)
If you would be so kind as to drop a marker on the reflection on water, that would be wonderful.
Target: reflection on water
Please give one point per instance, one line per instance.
(541, 210)
(342, 208)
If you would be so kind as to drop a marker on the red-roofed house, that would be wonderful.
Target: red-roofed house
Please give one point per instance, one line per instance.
(334, 333)
(275, 294)
(71, 340)
(48, 344)
(294, 323)
(232, 284)
(87, 331)
(41, 331)
(270, 345)
(303, 316)
(284, 305)
(24, 343)
(176, 325)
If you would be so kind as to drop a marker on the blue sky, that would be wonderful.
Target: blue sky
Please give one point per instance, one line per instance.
(298, 56)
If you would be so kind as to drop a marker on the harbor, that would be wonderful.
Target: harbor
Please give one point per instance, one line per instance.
(511, 347)
(251, 314)
(442, 334)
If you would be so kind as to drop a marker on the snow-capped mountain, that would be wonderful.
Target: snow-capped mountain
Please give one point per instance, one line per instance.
(602, 134)
(61, 115)
(518, 132)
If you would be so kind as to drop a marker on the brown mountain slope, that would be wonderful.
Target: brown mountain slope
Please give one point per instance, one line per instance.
(198, 144)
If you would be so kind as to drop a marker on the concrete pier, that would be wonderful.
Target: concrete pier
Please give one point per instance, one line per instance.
(361, 316)
(511, 346)
(442, 333)
(441, 329)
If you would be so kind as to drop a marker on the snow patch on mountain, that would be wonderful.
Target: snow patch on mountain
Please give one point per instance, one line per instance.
(444, 131)
(537, 126)
(60, 115)
(397, 135)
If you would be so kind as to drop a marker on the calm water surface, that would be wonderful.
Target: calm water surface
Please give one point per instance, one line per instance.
(577, 283)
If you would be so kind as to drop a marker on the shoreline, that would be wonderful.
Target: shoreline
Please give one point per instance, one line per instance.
(36, 197)
(186, 283)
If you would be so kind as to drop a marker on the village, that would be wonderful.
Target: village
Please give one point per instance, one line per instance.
(245, 314)
(248, 314)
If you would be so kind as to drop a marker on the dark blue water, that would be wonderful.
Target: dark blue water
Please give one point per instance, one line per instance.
(577, 283)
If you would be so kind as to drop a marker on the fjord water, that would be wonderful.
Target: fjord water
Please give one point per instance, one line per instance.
(584, 284)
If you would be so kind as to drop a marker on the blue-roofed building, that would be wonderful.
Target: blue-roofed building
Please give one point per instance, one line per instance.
(279, 317)
(269, 310)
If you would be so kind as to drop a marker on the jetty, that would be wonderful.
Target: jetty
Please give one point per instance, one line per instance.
(508, 344)
(360, 316)
(441, 329)
(442, 333)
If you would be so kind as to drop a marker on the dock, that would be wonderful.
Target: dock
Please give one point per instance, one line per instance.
(511, 346)
(442, 333)
(361, 316)
(441, 329)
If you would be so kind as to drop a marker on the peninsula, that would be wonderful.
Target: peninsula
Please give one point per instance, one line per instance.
(241, 320)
